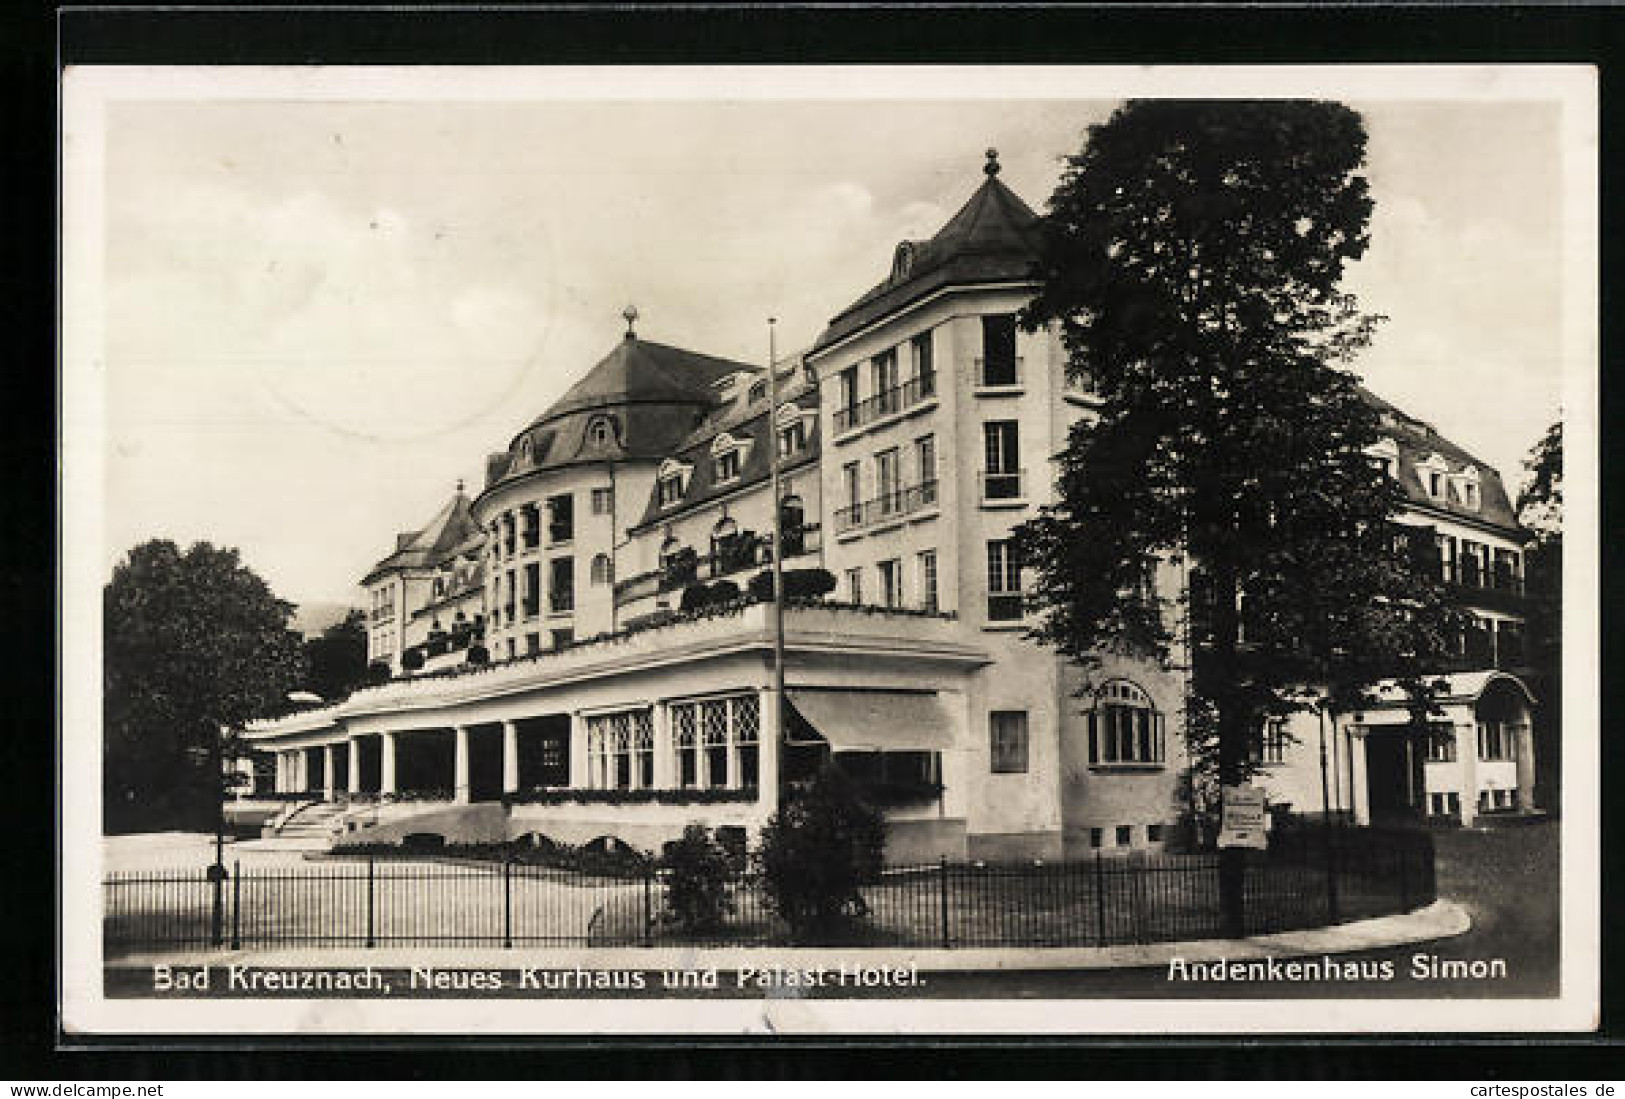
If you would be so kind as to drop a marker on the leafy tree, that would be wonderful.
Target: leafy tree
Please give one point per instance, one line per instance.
(1540, 508)
(338, 658)
(817, 851)
(697, 897)
(1191, 258)
(194, 643)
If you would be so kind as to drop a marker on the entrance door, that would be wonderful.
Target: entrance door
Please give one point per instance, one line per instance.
(1390, 779)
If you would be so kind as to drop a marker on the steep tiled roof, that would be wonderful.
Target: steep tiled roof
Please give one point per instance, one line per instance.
(451, 528)
(745, 419)
(993, 238)
(639, 402)
(1416, 440)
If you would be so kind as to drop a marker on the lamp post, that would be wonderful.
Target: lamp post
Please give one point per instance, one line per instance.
(214, 755)
(779, 749)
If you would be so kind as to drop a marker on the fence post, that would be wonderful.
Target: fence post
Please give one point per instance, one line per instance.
(507, 902)
(648, 905)
(237, 905)
(942, 899)
(1100, 900)
(372, 939)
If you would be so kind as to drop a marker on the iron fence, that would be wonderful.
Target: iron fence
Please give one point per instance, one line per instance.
(1307, 878)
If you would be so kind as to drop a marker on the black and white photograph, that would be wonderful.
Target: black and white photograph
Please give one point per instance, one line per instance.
(829, 549)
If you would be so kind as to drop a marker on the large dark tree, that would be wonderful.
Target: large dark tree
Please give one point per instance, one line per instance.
(338, 658)
(1540, 508)
(1192, 255)
(194, 642)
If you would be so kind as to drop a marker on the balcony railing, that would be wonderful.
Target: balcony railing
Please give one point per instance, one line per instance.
(888, 505)
(1001, 373)
(1002, 484)
(797, 542)
(1004, 606)
(887, 402)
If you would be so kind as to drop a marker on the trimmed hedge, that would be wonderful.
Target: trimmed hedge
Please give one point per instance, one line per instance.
(631, 797)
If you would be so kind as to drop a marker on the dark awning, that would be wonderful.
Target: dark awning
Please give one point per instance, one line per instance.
(876, 720)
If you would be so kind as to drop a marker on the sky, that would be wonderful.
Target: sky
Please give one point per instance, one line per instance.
(319, 315)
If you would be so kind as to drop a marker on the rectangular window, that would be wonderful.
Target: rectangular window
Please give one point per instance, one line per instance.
(1472, 564)
(792, 439)
(1441, 744)
(563, 639)
(891, 583)
(1447, 557)
(1508, 645)
(1003, 582)
(561, 586)
(887, 481)
(928, 581)
(925, 371)
(925, 464)
(669, 491)
(1125, 835)
(1008, 729)
(998, 364)
(533, 590)
(1153, 833)
(853, 481)
(884, 374)
(533, 643)
(531, 520)
(603, 501)
(1001, 454)
(846, 413)
(1494, 741)
(854, 585)
(725, 467)
(1273, 741)
(1097, 837)
(561, 518)
(1125, 733)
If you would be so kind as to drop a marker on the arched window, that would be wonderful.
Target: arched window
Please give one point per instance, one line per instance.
(1125, 728)
(603, 569)
(598, 432)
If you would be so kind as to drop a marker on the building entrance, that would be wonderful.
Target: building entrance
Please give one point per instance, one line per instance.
(1393, 768)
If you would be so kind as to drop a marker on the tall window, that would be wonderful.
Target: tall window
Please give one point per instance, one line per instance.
(928, 581)
(531, 518)
(792, 438)
(561, 585)
(925, 467)
(1008, 730)
(669, 490)
(1447, 557)
(1001, 451)
(847, 414)
(620, 750)
(852, 479)
(884, 368)
(533, 590)
(1124, 727)
(925, 371)
(1473, 569)
(603, 501)
(717, 741)
(725, 466)
(603, 569)
(723, 537)
(887, 480)
(1440, 745)
(891, 583)
(1272, 741)
(1494, 741)
(793, 526)
(1003, 582)
(561, 518)
(854, 585)
(998, 363)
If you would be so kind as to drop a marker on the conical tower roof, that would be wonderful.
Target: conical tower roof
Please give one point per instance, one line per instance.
(993, 238)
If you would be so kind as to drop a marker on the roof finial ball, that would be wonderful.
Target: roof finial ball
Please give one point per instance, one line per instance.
(630, 313)
(992, 165)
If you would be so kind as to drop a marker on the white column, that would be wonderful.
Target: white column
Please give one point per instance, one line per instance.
(280, 782)
(1524, 745)
(354, 775)
(299, 771)
(1467, 761)
(578, 752)
(665, 775)
(767, 755)
(386, 764)
(327, 772)
(510, 757)
(460, 766)
(1362, 793)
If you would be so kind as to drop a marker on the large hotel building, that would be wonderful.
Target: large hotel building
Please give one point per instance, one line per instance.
(582, 649)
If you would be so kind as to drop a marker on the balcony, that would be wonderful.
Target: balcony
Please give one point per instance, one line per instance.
(683, 571)
(998, 375)
(889, 402)
(1003, 486)
(897, 504)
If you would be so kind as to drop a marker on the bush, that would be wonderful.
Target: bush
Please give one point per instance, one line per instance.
(697, 597)
(479, 654)
(798, 584)
(697, 895)
(816, 853)
(377, 673)
(412, 660)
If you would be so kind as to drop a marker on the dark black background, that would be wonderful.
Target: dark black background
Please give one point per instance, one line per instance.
(35, 42)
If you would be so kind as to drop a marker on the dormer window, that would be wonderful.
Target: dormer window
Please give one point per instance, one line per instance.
(790, 428)
(1434, 474)
(727, 458)
(671, 482)
(902, 263)
(1384, 454)
(758, 390)
(527, 451)
(1466, 485)
(599, 432)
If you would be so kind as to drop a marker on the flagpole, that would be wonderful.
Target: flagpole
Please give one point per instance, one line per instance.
(778, 560)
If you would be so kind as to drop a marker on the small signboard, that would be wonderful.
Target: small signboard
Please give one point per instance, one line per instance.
(1241, 823)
